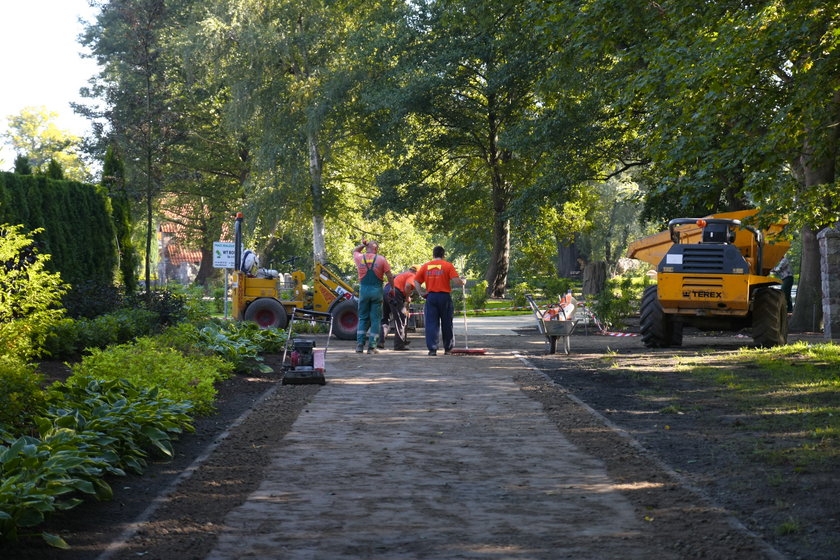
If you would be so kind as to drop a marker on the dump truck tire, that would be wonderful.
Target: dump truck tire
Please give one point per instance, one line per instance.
(657, 329)
(769, 319)
(267, 313)
(345, 319)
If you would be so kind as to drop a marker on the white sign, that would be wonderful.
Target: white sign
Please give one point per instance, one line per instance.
(224, 254)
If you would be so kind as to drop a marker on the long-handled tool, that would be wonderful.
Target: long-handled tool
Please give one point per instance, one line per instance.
(466, 349)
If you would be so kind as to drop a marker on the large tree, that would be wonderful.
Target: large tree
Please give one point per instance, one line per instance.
(461, 84)
(33, 133)
(731, 103)
(291, 77)
(126, 41)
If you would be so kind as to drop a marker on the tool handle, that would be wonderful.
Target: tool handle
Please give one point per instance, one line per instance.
(466, 337)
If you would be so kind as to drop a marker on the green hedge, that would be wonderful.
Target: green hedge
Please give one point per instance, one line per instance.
(76, 219)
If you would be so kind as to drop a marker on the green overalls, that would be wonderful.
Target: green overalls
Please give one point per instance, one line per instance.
(370, 307)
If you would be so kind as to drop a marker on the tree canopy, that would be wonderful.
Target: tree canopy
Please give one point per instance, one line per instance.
(503, 130)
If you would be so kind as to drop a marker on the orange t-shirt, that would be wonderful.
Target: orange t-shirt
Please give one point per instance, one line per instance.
(404, 282)
(437, 275)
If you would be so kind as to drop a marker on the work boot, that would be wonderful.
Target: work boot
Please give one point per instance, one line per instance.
(373, 350)
(360, 348)
(447, 352)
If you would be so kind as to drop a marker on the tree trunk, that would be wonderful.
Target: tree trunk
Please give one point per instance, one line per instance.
(567, 255)
(497, 271)
(807, 312)
(205, 270)
(319, 248)
(149, 224)
(817, 167)
(499, 265)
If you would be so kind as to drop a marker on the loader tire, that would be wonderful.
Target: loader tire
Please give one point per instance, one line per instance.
(769, 318)
(345, 319)
(267, 313)
(658, 329)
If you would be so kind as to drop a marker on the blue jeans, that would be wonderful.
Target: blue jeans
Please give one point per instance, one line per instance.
(439, 312)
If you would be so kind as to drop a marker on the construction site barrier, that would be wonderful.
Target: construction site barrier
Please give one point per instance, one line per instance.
(604, 333)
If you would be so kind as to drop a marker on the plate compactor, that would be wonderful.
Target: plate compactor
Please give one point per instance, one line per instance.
(305, 364)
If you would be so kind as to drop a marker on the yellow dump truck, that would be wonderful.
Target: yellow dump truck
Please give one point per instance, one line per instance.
(713, 274)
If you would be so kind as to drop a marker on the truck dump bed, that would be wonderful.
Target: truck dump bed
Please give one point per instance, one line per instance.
(652, 249)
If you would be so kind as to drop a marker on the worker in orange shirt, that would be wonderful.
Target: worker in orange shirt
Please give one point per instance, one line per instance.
(439, 276)
(396, 308)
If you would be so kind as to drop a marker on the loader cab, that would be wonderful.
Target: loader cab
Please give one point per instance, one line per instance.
(718, 233)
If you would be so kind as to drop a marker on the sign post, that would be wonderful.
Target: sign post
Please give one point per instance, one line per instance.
(224, 257)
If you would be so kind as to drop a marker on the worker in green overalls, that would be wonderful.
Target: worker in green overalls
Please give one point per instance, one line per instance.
(372, 268)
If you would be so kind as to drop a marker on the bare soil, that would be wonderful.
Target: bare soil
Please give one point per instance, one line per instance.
(713, 498)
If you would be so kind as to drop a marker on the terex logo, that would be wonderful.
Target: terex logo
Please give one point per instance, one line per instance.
(702, 294)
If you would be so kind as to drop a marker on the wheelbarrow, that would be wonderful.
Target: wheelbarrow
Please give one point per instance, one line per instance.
(553, 326)
(558, 329)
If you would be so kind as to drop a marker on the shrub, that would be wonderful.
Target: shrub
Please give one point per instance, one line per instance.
(131, 421)
(91, 299)
(88, 429)
(169, 306)
(477, 296)
(114, 328)
(68, 338)
(613, 303)
(239, 343)
(30, 294)
(219, 299)
(21, 395)
(517, 294)
(61, 340)
(42, 476)
(146, 363)
(196, 308)
(557, 287)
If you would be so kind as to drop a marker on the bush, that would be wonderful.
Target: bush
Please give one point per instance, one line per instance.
(146, 363)
(239, 343)
(219, 299)
(21, 395)
(68, 338)
(62, 340)
(477, 296)
(88, 429)
(114, 328)
(517, 294)
(169, 306)
(131, 421)
(30, 295)
(556, 287)
(617, 301)
(91, 299)
(196, 308)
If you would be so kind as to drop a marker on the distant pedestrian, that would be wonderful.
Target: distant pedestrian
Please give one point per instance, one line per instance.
(372, 268)
(439, 276)
(395, 308)
(785, 273)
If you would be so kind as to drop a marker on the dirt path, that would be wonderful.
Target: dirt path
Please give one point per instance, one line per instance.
(402, 455)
